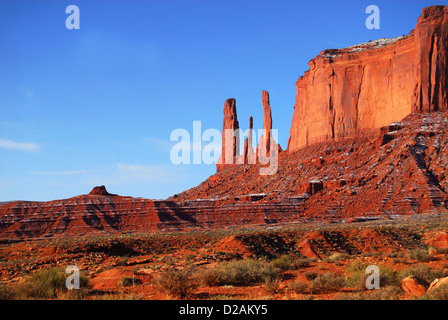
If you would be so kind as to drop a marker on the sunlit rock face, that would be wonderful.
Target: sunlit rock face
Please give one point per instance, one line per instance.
(367, 86)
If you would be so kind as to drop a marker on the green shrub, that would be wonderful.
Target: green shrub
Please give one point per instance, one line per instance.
(44, 284)
(304, 262)
(299, 287)
(50, 284)
(357, 266)
(240, 273)
(442, 250)
(310, 275)
(388, 277)
(395, 254)
(126, 282)
(357, 276)
(386, 293)
(374, 254)
(327, 282)
(176, 283)
(6, 293)
(335, 257)
(422, 271)
(272, 284)
(123, 261)
(284, 263)
(212, 277)
(421, 255)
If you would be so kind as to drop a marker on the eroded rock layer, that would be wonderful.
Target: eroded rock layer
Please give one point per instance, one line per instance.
(399, 169)
(89, 215)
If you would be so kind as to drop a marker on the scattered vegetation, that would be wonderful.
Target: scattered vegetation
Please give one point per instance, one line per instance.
(304, 262)
(420, 254)
(123, 261)
(120, 296)
(335, 257)
(272, 284)
(51, 284)
(357, 275)
(240, 273)
(440, 293)
(442, 250)
(423, 272)
(284, 263)
(299, 287)
(327, 282)
(386, 293)
(190, 257)
(126, 282)
(274, 259)
(6, 292)
(310, 275)
(177, 283)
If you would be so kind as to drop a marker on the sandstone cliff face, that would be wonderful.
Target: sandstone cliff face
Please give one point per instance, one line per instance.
(347, 91)
(431, 45)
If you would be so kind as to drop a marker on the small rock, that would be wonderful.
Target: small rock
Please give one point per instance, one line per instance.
(437, 283)
(414, 286)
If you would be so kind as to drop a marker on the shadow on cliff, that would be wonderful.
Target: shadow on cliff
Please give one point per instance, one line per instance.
(171, 212)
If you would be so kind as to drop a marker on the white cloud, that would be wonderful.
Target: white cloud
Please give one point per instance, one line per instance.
(8, 144)
(145, 173)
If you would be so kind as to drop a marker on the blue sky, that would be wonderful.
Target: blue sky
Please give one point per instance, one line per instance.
(96, 106)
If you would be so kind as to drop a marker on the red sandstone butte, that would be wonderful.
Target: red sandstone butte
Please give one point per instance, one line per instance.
(100, 191)
(231, 155)
(230, 125)
(265, 139)
(367, 86)
(249, 154)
